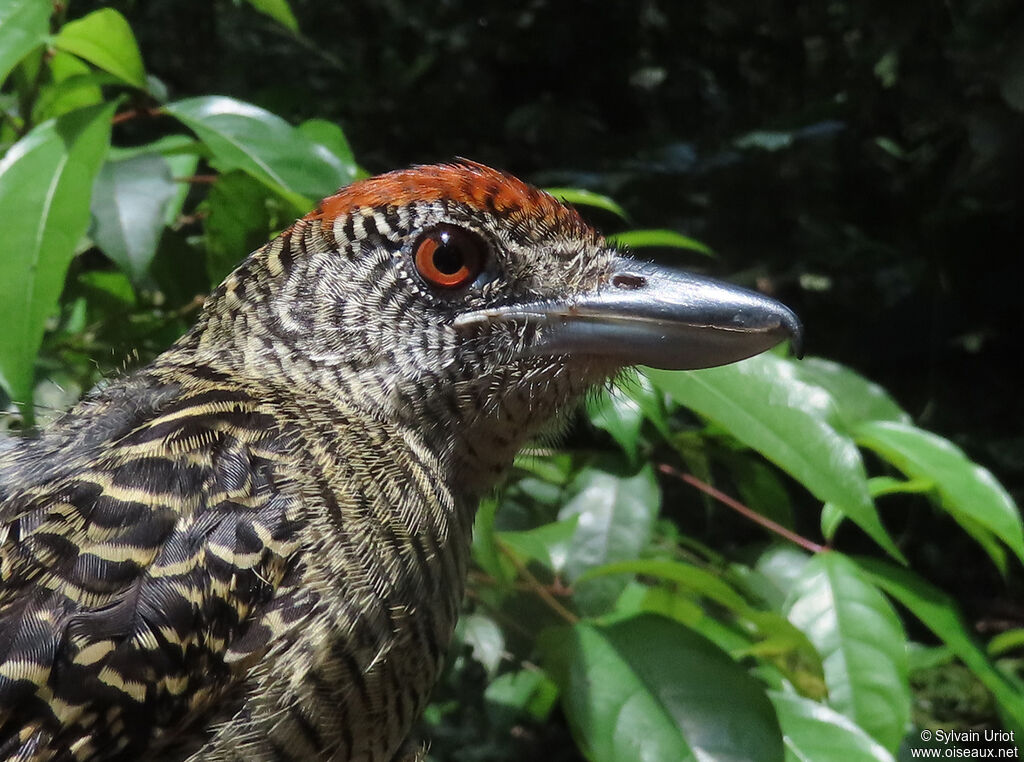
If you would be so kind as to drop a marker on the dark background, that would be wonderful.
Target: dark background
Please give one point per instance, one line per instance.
(862, 161)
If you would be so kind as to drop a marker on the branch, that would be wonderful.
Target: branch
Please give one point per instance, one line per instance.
(743, 510)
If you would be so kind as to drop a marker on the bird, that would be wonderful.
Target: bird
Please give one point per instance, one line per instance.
(255, 547)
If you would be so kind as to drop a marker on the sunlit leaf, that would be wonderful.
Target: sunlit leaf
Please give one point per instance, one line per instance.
(856, 399)
(582, 197)
(649, 689)
(762, 403)
(74, 85)
(813, 732)
(46, 182)
(969, 492)
(941, 615)
(129, 206)
(246, 137)
(330, 135)
(105, 39)
(528, 690)
(548, 544)
(615, 516)
(279, 10)
(1010, 640)
(618, 414)
(485, 639)
(638, 239)
(861, 642)
(24, 25)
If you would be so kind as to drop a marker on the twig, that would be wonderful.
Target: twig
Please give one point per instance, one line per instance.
(742, 509)
(540, 589)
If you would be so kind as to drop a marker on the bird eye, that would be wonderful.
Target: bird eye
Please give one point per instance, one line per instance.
(449, 256)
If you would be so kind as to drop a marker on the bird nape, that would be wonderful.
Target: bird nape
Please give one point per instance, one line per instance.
(255, 547)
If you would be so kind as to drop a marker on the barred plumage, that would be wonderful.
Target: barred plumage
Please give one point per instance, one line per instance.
(255, 548)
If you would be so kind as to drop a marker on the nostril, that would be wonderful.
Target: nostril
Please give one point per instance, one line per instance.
(628, 281)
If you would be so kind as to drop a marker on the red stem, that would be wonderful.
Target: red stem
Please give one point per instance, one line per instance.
(743, 510)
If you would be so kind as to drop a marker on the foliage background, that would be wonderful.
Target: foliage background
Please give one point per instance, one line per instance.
(862, 161)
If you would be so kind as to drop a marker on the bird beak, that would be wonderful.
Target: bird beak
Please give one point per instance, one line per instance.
(649, 315)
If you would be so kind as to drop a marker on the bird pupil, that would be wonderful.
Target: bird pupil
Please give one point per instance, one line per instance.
(447, 257)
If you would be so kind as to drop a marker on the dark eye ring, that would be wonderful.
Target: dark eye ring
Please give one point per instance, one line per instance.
(449, 257)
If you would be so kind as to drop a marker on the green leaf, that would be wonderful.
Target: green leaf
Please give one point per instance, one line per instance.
(105, 39)
(581, 197)
(650, 400)
(547, 544)
(856, 398)
(279, 10)
(620, 415)
(779, 636)
(762, 403)
(74, 86)
(638, 239)
(46, 182)
(485, 639)
(486, 552)
(649, 689)
(528, 690)
(861, 641)
(243, 136)
(776, 572)
(237, 222)
(129, 206)
(814, 733)
(331, 137)
(615, 517)
(183, 165)
(1010, 640)
(941, 615)
(24, 25)
(969, 492)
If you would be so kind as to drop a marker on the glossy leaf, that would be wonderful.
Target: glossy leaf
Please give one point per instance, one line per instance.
(582, 197)
(330, 136)
(74, 85)
(486, 551)
(547, 544)
(649, 689)
(246, 137)
(237, 222)
(762, 403)
(24, 25)
(129, 206)
(969, 492)
(182, 165)
(46, 181)
(861, 642)
(279, 10)
(813, 732)
(485, 639)
(638, 239)
(856, 398)
(651, 401)
(1010, 640)
(104, 39)
(618, 414)
(529, 691)
(615, 516)
(940, 614)
(778, 637)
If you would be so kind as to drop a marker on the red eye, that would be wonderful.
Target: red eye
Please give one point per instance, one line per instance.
(450, 257)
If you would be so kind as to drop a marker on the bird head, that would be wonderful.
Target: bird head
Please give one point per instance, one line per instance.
(459, 301)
